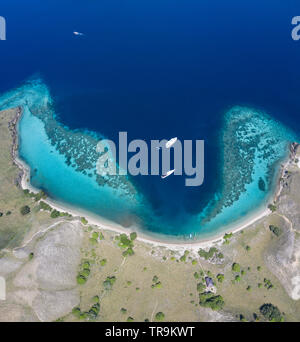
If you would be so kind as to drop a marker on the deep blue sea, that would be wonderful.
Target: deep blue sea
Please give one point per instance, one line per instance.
(156, 69)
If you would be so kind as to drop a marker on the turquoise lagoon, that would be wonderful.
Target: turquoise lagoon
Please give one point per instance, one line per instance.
(63, 163)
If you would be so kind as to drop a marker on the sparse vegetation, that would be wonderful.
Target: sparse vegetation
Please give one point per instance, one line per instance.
(227, 237)
(268, 284)
(213, 252)
(184, 256)
(55, 214)
(44, 206)
(84, 273)
(210, 300)
(200, 287)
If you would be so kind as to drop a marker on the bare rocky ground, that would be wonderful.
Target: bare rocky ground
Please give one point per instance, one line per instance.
(283, 256)
(47, 282)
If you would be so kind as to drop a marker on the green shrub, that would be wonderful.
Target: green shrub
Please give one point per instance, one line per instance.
(220, 256)
(236, 267)
(133, 236)
(183, 257)
(158, 285)
(31, 255)
(271, 313)
(94, 311)
(44, 206)
(155, 279)
(210, 254)
(129, 252)
(84, 220)
(96, 299)
(95, 235)
(210, 300)
(268, 284)
(83, 315)
(272, 207)
(85, 273)
(275, 230)
(237, 278)
(123, 311)
(160, 316)
(227, 237)
(81, 280)
(220, 277)
(108, 282)
(196, 275)
(93, 241)
(76, 312)
(103, 262)
(124, 241)
(39, 196)
(55, 214)
(130, 319)
(86, 264)
(25, 210)
(200, 287)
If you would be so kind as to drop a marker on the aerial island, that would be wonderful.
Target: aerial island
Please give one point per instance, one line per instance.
(62, 265)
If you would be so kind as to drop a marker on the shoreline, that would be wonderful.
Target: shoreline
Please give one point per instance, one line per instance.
(24, 182)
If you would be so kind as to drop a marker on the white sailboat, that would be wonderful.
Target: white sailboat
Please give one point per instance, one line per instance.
(167, 174)
(78, 33)
(171, 142)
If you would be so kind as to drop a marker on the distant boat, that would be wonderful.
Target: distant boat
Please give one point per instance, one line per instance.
(168, 174)
(168, 143)
(78, 33)
(171, 142)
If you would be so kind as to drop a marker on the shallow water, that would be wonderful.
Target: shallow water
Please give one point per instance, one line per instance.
(156, 70)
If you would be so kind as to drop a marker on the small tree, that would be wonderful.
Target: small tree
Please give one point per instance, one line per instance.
(271, 313)
(25, 210)
(236, 267)
(272, 207)
(220, 277)
(160, 316)
(275, 230)
(133, 236)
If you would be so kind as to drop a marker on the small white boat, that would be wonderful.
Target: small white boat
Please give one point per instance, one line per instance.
(171, 142)
(78, 33)
(168, 174)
